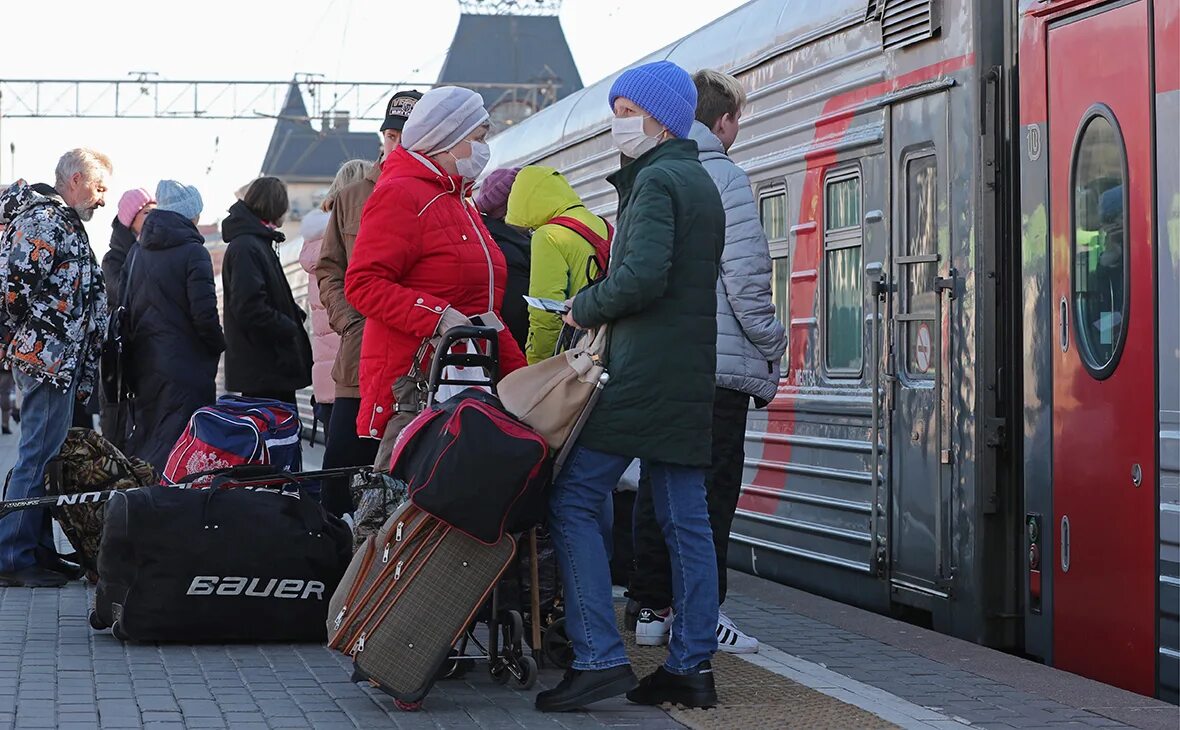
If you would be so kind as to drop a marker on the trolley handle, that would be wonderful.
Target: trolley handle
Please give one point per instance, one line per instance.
(443, 357)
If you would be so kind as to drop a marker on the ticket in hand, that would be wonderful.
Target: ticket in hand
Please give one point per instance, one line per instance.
(546, 305)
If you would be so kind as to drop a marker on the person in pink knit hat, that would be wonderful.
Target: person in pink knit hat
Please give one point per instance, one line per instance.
(134, 207)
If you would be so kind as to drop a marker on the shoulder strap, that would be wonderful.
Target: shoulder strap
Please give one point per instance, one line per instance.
(123, 295)
(601, 245)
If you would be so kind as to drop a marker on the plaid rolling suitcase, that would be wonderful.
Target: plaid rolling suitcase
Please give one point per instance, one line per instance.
(408, 596)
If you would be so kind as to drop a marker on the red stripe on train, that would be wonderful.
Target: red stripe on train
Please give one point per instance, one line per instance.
(837, 116)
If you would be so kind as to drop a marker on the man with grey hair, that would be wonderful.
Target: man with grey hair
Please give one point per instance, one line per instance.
(53, 319)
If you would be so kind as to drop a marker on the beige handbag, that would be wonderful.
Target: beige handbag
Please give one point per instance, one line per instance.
(552, 395)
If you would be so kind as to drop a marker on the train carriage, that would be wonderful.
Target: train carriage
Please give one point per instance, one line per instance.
(924, 432)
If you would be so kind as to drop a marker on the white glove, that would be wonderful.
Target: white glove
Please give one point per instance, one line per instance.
(451, 317)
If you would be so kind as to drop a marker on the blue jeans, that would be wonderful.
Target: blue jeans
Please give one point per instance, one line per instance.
(45, 420)
(575, 523)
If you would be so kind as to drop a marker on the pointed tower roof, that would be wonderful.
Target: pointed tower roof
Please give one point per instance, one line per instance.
(507, 50)
(298, 152)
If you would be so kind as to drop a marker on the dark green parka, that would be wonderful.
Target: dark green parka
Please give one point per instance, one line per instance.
(660, 301)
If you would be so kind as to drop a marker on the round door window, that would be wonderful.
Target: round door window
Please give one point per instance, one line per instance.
(1100, 243)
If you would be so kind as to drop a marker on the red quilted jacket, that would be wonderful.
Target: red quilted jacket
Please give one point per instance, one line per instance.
(421, 248)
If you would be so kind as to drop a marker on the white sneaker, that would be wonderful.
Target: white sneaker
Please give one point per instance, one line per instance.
(653, 626)
(733, 640)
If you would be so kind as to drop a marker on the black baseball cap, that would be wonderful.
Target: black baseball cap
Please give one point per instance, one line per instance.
(398, 111)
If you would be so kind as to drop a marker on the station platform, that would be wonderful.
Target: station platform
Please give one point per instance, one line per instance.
(822, 665)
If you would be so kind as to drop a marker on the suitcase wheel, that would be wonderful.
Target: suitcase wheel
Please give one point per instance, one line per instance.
(453, 668)
(528, 668)
(523, 669)
(512, 627)
(407, 706)
(117, 632)
(95, 622)
(556, 645)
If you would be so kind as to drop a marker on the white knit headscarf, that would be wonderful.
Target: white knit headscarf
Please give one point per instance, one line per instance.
(443, 118)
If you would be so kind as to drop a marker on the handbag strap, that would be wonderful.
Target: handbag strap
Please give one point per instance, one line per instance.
(123, 295)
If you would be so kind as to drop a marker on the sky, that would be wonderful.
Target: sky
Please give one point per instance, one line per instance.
(350, 40)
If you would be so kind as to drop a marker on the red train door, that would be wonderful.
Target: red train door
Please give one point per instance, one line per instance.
(1104, 371)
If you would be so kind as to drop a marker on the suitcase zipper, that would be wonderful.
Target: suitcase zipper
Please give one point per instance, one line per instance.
(397, 572)
(375, 588)
(368, 620)
(340, 618)
(359, 646)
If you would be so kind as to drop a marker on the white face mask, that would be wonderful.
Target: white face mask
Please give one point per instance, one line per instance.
(470, 167)
(629, 137)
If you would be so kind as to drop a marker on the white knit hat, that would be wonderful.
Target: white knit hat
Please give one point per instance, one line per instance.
(443, 118)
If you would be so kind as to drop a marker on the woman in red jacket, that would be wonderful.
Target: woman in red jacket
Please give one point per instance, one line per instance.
(424, 262)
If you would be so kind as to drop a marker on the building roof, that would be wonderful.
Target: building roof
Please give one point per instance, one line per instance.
(509, 50)
(298, 152)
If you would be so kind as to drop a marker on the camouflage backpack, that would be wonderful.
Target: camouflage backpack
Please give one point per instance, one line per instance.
(89, 463)
(376, 497)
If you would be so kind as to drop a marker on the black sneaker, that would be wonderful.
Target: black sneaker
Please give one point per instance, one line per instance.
(6, 430)
(585, 687)
(695, 689)
(61, 566)
(33, 577)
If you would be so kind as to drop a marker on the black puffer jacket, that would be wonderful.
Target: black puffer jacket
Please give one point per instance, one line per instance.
(176, 337)
(517, 251)
(122, 239)
(266, 346)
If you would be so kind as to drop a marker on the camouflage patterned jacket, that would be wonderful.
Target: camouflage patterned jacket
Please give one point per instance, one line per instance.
(53, 313)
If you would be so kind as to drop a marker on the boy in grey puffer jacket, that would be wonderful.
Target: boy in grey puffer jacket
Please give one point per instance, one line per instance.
(750, 346)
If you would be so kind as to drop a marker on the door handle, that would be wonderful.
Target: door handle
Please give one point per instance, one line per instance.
(1064, 325)
(1065, 543)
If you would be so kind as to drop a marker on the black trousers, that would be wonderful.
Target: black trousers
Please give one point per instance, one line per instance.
(651, 579)
(344, 449)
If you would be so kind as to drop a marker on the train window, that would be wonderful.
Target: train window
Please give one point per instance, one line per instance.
(772, 207)
(1099, 250)
(843, 277)
(921, 263)
(780, 290)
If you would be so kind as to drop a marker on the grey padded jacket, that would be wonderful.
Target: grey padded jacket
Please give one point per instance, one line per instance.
(750, 340)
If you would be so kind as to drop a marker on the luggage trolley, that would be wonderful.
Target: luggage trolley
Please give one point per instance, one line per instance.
(504, 651)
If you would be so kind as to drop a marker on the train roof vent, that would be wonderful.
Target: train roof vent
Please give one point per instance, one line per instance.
(905, 22)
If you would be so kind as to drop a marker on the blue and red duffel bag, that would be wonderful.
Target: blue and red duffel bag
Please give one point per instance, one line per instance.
(234, 431)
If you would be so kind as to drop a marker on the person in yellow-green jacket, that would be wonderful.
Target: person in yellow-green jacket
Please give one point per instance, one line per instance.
(570, 247)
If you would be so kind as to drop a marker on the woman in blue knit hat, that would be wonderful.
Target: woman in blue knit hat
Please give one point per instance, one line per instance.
(659, 302)
(176, 338)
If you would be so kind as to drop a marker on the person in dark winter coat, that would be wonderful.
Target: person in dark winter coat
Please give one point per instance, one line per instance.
(134, 207)
(750, 343)
(267, 350)
(659, 302)
(175, 336)
(492, 203)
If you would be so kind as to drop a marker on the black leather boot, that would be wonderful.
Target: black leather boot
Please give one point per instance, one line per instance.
(695, 689)
(585, 687)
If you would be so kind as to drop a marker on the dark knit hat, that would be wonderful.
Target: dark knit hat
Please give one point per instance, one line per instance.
(399, 108)
(663, 90)
(493, 191)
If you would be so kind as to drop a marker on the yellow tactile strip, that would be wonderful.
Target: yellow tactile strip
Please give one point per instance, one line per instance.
(753, 697)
